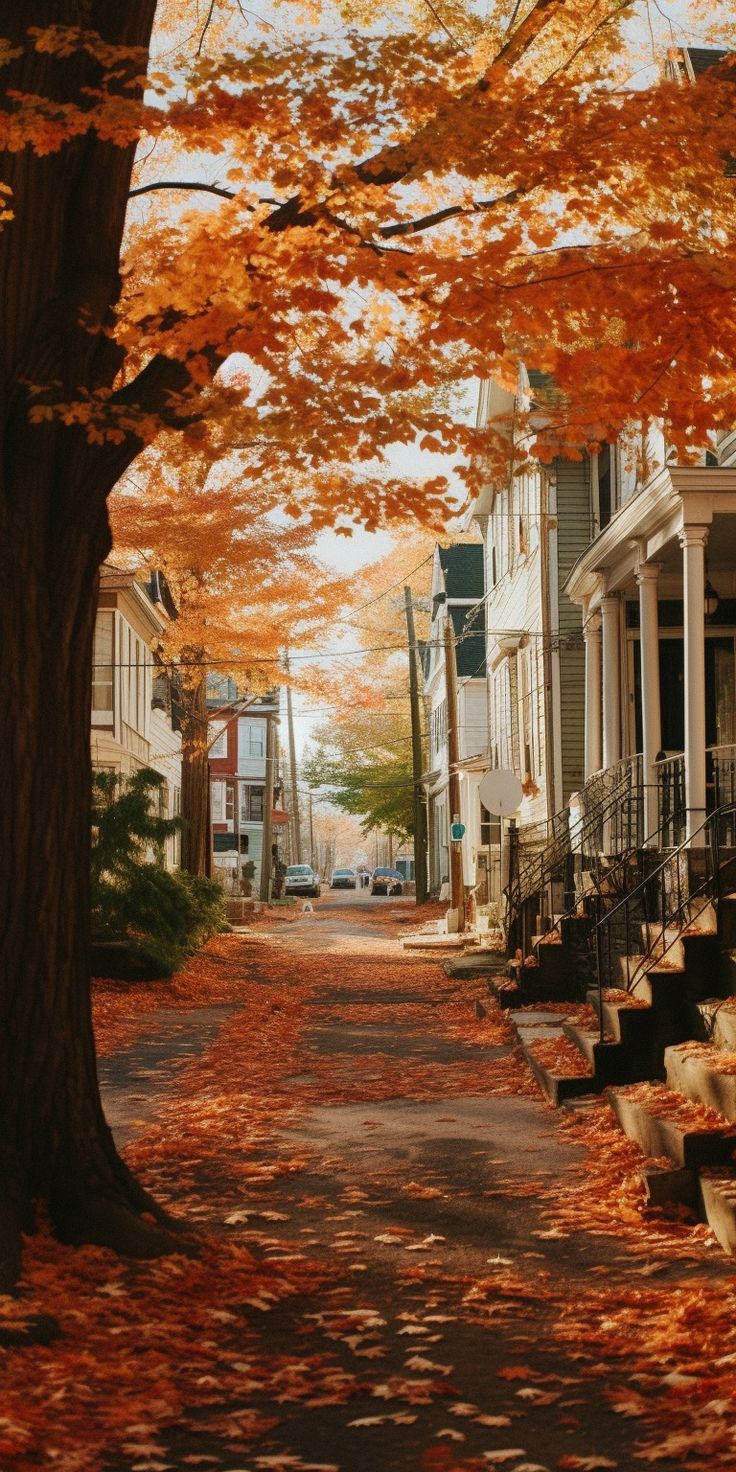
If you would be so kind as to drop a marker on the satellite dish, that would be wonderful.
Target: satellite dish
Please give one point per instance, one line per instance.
(500, 792)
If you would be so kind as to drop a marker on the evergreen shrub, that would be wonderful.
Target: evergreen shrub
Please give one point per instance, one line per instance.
(161, 915)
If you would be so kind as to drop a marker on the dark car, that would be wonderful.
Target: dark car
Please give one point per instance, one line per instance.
(343, 879)
(387, 881)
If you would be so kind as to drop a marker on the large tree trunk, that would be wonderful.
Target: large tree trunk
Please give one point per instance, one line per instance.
(59, 282)
(195, 781)
(54, 1142)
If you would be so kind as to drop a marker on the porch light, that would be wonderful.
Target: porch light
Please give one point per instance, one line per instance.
(711, 599)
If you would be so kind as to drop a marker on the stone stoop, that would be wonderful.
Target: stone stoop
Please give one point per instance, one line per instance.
(610, 1062)
(714, 1021)
(625, 1022)
(717, 1205)
(698, 1071)
(544, 1026)
(683, 1141)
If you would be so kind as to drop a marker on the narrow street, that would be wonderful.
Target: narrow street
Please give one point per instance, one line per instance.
(411, 1262)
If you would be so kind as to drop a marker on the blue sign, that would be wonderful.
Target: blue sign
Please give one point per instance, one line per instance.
(456, 832)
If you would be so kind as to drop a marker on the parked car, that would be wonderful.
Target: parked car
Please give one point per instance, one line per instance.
(301, 879)
(387, 881)
(343, 879)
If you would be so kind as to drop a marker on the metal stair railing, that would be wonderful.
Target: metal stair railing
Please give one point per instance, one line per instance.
(665, 903)
(606, 882)
(616, 810)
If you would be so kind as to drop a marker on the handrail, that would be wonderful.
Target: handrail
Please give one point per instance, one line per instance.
(634, 848)
(650, 884)
(533, 877)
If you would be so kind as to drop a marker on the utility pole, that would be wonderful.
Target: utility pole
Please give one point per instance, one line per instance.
(266, 858)
(311, 830)
(420, 812)
(296, 825)
(457, 889)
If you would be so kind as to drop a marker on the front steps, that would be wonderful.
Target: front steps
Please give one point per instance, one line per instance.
(683, 1113)
(658, 1044)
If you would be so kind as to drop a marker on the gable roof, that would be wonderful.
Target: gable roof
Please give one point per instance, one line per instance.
(462, 566)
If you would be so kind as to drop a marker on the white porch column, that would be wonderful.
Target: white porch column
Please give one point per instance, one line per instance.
(692, 541)
(593, 728)
(651, 715)
(610, 610)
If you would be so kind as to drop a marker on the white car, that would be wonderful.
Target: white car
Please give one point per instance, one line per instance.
(344, 879)
(301, 879)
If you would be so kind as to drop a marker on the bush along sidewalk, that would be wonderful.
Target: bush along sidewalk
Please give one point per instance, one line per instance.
(146, 919)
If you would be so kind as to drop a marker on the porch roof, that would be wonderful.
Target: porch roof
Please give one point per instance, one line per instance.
(647, 528)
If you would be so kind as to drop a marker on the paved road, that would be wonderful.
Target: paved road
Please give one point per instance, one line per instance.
(447, 1319)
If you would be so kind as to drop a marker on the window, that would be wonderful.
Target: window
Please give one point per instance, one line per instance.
(229, 802)
(256, 739)
(439, 726)
(102, 670)
(490, 828)
(256, 797)
(251, 741)
(218, 738)
(525, 714)
(217, 802)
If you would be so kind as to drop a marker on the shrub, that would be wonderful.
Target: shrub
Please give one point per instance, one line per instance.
(162, 915)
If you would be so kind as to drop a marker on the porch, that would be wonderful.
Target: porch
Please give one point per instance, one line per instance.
(658, 591)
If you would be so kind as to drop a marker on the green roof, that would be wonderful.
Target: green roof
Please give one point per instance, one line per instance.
(463, 569)
(470, 634)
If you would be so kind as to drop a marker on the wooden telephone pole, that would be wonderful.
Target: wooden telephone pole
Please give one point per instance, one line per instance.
(420, 812)
(266, 855)
(296, 827)
(457, 888)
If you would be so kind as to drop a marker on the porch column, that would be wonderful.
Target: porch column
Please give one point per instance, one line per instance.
(692, 541)
(610, 610)
(593, 729)
(651, 716)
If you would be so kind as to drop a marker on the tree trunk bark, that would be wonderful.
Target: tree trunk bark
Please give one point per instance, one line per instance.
(195, 781)
(59, 281)
(54, 1142)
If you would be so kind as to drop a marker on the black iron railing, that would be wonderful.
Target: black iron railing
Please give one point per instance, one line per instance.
(646, 925)
(607, 819)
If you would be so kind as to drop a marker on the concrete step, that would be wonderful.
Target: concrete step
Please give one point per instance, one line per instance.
(667, 943)
(717, 1021)
(655, 982)
(703, 919)
(665, 1123)
(667, 1185)
(557, 1066)
(610, 1061)
(701, 1072)
(625, 1018)
(556, 1072)
(717, 1205)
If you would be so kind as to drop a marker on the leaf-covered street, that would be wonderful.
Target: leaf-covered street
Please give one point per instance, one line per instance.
(408, 1261)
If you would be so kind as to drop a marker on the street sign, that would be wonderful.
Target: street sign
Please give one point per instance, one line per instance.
(456, 832)
(500, 792)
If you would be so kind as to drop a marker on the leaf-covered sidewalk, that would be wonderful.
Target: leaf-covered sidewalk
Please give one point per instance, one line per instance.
(408, 1261)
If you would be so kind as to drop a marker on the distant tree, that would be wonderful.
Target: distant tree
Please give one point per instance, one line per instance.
(245, 584)
(364, 766)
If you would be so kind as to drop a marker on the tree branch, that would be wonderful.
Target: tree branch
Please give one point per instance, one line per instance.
(426, 222)
(196, 184)
(182, 184)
